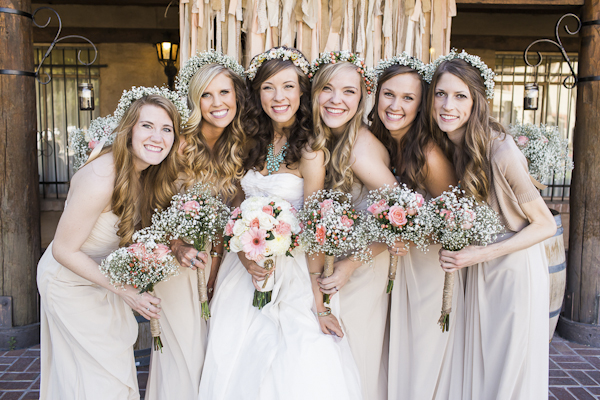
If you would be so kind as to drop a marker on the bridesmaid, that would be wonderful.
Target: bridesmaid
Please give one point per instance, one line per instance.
(87, 327)
(211, 152)
(506, 301)
(419, 351)
(358, 162)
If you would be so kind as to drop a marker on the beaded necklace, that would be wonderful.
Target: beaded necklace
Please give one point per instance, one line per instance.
(274, 160)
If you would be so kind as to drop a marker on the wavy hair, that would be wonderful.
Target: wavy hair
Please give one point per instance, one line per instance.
(259, 126)
(134, 197)
(407, 156)
(224, 163)
(338, 149)
(472, 164)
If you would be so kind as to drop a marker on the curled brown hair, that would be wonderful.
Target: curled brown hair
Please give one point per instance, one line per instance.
(259, 126)
(408, 156)
(472, 164)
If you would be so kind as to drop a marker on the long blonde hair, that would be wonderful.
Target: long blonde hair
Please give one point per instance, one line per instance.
(338, 150)
(224, 164)
(135, 198)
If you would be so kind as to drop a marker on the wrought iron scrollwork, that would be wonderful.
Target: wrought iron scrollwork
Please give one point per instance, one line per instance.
(557, 43)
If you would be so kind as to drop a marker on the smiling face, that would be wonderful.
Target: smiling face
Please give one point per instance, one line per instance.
(217, 103)
(280, 97)
(452, 106)
(339, 99)
(399, 102)
(152, 137)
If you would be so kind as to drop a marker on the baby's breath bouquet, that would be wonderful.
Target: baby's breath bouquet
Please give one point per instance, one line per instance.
(198, 218)
(331, 226)
(544, 149)
(459, 221)
(400, 214)
(141, 266)
(83, 142)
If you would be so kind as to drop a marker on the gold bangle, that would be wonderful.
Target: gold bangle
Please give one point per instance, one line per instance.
(324, 313)
(215, 254)
(315, 273)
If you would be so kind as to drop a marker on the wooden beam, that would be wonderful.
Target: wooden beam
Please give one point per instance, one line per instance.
(524, 2)
(510, 43)
(143, 3)
(109, 35)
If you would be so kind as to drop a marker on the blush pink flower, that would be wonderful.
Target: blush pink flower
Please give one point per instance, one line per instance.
(255, 223)
(229, 228)
(236, 212)
(420, 200)
(522, 140)
(293, 211)
(411, 211)
(470, 215)
(347, 222)
(190, 206)
(268, 210)
(138, 249)
(92, 144)
(160, 251)
(283, 228)
(447, 214)
(254, 243)
(326, 207)
(544, 139)
(466, 225)
(379, 207)
(320, 234)
(397, 216)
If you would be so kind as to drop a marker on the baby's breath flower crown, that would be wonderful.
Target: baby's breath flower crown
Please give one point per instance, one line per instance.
(200, 60)
(278, 53)
(333, 57)
(402, 59)
(486, 73)
(135, 93)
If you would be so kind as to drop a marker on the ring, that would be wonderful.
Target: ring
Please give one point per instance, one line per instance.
(210, 290)
(336, 289)
(148, 309)
(192, 262)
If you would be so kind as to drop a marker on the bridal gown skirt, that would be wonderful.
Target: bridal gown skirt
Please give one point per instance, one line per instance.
(422, 357)
(175, 372)
(363, 314)
(275, 353)
(506, 342)
(87, 337)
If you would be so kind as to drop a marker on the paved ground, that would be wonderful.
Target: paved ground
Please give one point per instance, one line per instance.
(574, 373)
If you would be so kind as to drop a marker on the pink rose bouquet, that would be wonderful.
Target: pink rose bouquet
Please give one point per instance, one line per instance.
(141, 266)
(263, 228)
(400, 214)
(459, 221)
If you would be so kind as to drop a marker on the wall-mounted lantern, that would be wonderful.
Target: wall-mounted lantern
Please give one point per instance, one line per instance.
(167, 56)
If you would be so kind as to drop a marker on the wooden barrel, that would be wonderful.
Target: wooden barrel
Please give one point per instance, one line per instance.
(557, 268)
(143, 345)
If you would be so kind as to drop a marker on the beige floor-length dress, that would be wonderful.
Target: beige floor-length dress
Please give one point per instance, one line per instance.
(363, 314)
(87, 332)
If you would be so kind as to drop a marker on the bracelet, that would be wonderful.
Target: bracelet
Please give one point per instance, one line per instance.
(324, 313)
(215, 254)
(315, 273)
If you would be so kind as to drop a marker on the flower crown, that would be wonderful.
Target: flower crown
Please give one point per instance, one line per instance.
(486, 73)
(403, 59)
(200, 60)
(344, 55)
(135, 93)
(282, 53)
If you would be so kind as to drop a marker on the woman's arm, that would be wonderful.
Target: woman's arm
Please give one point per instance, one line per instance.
(89, 196)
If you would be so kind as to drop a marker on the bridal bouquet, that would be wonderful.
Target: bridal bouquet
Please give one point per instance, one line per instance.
(544, 149)
(459, 221)
(142, 267)
(198, 218)
(263, 228)
(83, 142)
(332, 226)
(401, 215)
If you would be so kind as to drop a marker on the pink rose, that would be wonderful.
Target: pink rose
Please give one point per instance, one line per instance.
(138, 249)
(255, 223)
(160, 251)
(470, 215)
(190, 206)
(326, 207)
(229, 228)
(522, 140)
(283, 228)
(420, 200)
(447, 214)
(320, 234)
(347, 222)
(379, 207)
(411, 211)
(93, 143)
(236, 212)
(397, 216)
(466, 225)
(268, 210)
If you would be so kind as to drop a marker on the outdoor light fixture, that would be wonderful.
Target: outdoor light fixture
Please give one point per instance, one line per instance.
(167, 56)
(86, 96)
(530, 102)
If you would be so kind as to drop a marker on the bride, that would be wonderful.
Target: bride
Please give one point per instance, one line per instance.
(284, 350)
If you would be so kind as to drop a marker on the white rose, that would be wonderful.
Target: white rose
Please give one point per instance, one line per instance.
(253, 203)
(266, 221)
(291, 220)
(235, 244)
(239, 227)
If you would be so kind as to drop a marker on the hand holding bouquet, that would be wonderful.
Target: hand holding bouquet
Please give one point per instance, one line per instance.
(142, 267)
(459, 221)
(400, 214)
(263, 228)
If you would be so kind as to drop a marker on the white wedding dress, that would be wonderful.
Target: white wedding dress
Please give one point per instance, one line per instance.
(278, 352)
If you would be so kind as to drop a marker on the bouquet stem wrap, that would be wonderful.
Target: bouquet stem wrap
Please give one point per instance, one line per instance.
(392, 272)
(263, 297)
(327, 272)
(448, 292)
(155, 331)
(202, 289)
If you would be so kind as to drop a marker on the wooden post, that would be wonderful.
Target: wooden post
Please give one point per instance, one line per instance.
(580, 320)
(19, 198)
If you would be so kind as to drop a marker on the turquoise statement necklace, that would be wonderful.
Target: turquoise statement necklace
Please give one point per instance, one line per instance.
(275, 160)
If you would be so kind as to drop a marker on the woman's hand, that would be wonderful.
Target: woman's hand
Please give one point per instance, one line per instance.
(454, 260)
(399, 249)
(258, 273)
(188, 256)
(144, 303)
(330, 325)
(342, 271)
